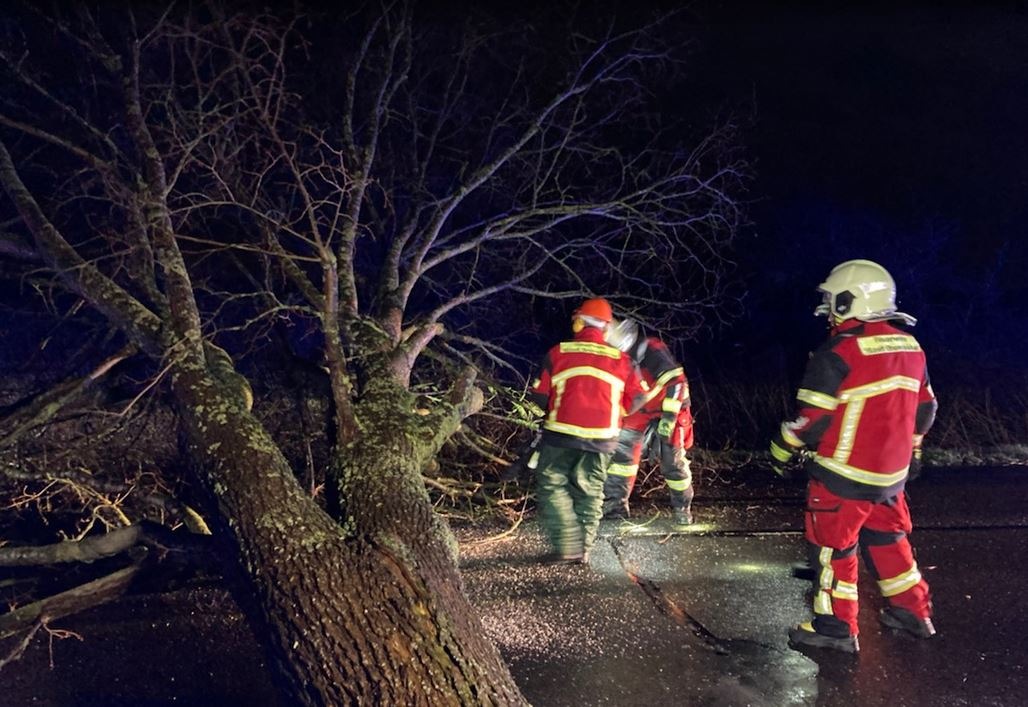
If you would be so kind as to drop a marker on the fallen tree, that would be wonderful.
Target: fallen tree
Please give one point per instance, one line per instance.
(204, 200)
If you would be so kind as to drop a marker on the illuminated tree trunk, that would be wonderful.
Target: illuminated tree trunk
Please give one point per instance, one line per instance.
(370, 612)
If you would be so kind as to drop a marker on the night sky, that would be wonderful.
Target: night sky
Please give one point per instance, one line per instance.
(892, 134)
(896, 135)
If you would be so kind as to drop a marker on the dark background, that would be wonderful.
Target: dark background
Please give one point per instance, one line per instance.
(891, 133)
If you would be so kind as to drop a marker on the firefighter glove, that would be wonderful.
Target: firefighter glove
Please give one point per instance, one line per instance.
(783, 471)
(666, 427)
(521, 468)
(781, 455)
(524, 465)
(915, 464)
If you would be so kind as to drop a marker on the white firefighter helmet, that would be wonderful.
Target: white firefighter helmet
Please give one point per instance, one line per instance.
(860, 289)
(622, 335)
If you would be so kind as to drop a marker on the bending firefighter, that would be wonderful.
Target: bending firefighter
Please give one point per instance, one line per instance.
(663, 424)
(865, 404)
(586, 387)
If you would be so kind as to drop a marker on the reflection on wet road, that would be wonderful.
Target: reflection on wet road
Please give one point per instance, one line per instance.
(699, 618)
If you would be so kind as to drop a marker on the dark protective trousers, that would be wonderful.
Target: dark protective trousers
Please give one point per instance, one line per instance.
(624, 467)
(835, 527)
(569, 495)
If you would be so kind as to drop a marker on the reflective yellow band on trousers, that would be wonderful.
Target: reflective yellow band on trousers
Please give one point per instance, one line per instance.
(823, 600)
(827, 574)
(823, 603)
(623, 469)
(900, 583)
(845, 590)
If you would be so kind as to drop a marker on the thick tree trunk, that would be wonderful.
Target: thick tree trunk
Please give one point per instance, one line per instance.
(371, 612)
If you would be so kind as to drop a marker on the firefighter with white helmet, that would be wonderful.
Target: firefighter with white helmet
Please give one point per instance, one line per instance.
(865, 404)
(663, 424)
(860, 289)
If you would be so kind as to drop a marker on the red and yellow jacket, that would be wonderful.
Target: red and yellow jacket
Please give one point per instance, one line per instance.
(864, 398)
(586, 387)
(667, 391)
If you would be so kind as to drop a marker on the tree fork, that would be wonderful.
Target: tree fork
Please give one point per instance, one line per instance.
(350, 617)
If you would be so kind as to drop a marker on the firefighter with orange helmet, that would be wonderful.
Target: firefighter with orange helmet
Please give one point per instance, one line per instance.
(663, 424)
(586, 387)
(865, 404)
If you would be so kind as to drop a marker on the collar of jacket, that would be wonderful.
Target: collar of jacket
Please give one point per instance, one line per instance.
(846, 326)
(858, 327)
(590, 333)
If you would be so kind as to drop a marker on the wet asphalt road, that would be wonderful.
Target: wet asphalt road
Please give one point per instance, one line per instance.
(699, 618)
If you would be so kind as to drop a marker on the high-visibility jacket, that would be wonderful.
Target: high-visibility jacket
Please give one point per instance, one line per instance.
(586, 387)
(667, 391)
(865, 399)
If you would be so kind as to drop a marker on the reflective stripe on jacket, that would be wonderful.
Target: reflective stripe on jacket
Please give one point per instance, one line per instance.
(863, 398)
(586, 387)
(667, 389)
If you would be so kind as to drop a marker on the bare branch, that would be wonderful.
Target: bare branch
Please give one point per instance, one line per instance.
(65, 109)
(86, 596)
(185, 318)
(46, 406)
(89, 549)
(119, 306)
(37, 132)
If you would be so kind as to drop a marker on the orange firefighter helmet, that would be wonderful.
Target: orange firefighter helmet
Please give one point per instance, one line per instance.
(595, 308)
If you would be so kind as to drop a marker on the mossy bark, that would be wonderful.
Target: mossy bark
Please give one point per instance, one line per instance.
(368, 612)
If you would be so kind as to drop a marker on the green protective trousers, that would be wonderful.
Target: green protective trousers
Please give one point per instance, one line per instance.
(569, 494)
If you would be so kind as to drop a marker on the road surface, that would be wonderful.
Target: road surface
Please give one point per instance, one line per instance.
(699, 618)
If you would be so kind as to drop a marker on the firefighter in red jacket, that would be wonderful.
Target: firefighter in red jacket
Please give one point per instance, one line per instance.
(586, 386)
(663, 424)
(865, 404)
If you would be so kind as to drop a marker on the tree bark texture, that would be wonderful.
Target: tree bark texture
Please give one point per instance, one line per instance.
(368, 612)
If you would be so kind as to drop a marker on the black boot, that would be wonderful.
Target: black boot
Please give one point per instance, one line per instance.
(804, 570)
(617, 512)
(556, 558)
(804, 636)
(681, 516)
(903, 620)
